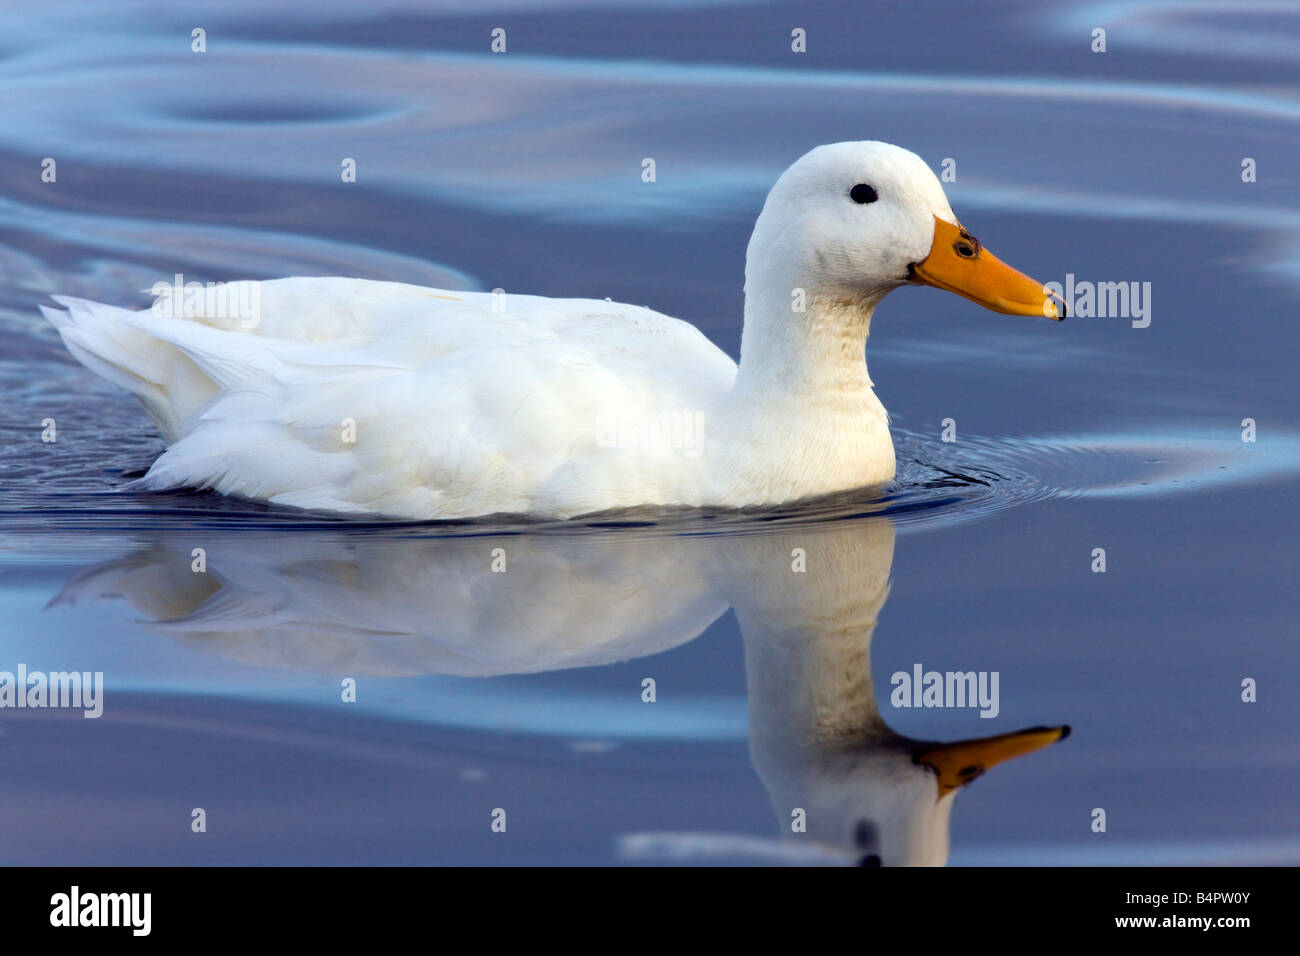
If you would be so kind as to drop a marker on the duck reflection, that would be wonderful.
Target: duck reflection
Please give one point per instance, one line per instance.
(816, 735)
(807, 598)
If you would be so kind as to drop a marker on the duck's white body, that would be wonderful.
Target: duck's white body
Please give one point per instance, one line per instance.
(378, 397)
(365, 396)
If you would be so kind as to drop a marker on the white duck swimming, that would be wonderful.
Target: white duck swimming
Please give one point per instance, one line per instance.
(376, 397)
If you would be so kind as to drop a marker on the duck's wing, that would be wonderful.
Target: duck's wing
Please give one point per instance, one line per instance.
(122, 346)
(375, 397)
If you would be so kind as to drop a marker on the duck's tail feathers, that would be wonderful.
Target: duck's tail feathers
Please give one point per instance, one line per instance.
(113, 343)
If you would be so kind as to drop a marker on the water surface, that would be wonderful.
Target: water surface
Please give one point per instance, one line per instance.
(522, 690)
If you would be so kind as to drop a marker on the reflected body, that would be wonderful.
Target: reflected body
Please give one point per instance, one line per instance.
(808, 600)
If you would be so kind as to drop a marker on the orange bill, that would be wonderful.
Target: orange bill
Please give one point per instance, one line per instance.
(957, 262)
(957, 764)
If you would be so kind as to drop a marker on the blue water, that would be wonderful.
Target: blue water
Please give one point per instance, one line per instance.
(522, 690)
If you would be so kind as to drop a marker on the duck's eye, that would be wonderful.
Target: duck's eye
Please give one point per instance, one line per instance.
(865, 835)
(863, 193)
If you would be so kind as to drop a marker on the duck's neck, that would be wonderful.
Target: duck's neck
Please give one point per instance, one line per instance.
(803, 416)
(804, 344)
(807, 629)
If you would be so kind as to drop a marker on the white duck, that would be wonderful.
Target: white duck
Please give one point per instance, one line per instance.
(377, 397)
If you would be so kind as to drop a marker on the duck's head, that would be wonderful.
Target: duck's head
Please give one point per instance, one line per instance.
(851, 221)
(888, 800)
